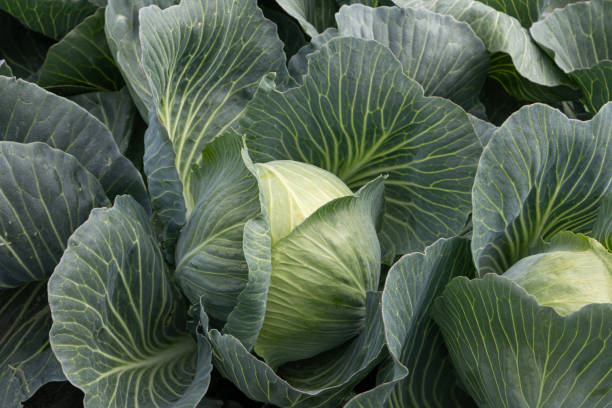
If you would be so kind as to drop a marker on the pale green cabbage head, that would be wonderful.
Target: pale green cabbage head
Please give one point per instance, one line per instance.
(325, 257)
(293, 191)
(572, 272)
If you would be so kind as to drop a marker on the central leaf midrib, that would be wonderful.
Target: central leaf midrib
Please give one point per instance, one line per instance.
(185, 345)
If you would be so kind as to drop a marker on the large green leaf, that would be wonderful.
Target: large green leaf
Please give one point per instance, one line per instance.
(45, 194)
(323, 381)
(313, 15)
(209, 257)
(357, 115)
(439, 52)
(115, 110)
(501, 33)
(122, 29)
(527, 12)
(81, 61)
(26, 360)
(51, 18)
(119, 326)
(26, 49)
(28, 113)
(541, 173)
(511, 352)
(204, 60)
(413, 338)
(602, 229)
(164, 185)
(580, 37)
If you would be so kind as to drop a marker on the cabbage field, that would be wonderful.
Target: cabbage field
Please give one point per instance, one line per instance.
(306, 203)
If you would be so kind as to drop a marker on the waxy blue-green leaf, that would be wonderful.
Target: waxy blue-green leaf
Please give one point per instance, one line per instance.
(119, 326)
(115, 110)
(51, 18)
(541, 173)
(23, 49)
(322, 381)
(81, 61)
(580, 37)
(504, 34)
(510, 352)
(358, 116)
(29, 113)
(484, 130)
(602, 229)
(122, 29)
(26, 360)
(204, 60)
(413, 338)
(209, 255)
(165, 188)
(439, 52)
(527, 12)
(45, 194)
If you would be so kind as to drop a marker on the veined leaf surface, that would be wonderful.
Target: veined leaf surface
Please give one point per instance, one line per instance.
(541, 173)
(580, 37)
(29, 113)
(510, 352)
(358, 116)
(45, 194)
(413, 338)
(119, 326)
(51, 18)
(81, 61)
(204, 60)
(209, 256)
(26, 360)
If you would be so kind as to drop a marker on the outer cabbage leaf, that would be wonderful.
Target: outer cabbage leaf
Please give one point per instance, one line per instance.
(115, 110)
(413, 338)
(122, 29)
(81, 61)
(204, 60)
(209, 256)
(602, 229)
(119, 326)
(26, 360)
(439, 52)
(51, 18)
(527, 12)
(541, 173)
(502, 33)
(511, 352)
(165, 188)
(323, 381)
(45, 194)
(357, 115)
(580, 37)
(28, 113)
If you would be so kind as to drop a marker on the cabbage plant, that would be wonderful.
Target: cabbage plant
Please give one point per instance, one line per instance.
(538, 318)
(311, 301)
(290, 203)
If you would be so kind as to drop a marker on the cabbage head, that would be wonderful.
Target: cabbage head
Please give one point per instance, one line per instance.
(322, 267)
(572, 272)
